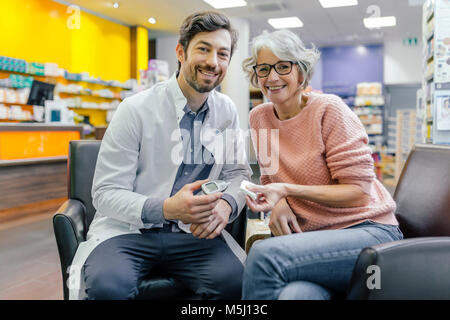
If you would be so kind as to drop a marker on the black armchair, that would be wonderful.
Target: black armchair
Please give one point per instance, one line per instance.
(419, 266)
(71, 222)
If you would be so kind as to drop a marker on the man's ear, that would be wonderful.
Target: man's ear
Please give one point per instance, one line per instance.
(179, 49)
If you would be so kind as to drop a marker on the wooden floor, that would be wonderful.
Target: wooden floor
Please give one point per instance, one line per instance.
(29, 262)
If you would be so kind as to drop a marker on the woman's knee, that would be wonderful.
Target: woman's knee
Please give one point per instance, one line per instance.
(261, 253)
(304, 290)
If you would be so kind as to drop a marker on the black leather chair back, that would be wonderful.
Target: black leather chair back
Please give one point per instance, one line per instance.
(414, 268)
(81, 167)
(423, 192)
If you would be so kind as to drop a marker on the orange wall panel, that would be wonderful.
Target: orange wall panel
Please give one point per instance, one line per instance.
(35, 144)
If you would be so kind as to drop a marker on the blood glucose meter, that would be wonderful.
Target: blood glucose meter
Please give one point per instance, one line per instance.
(214, 186)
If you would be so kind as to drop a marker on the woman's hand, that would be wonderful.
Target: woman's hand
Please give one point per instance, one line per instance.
(283, 220)
(267, 196)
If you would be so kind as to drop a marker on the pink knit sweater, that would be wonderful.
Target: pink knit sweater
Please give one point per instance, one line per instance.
(324, 144)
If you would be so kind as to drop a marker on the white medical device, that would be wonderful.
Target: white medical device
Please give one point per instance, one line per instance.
(214, 186)
(244, 189)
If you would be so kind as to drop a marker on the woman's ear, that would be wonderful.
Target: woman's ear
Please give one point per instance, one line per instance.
(301, 80)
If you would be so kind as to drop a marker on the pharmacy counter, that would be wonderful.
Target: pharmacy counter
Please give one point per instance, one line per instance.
(35, 141)
(33, 162)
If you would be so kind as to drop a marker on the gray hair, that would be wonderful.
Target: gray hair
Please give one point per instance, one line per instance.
(286, 45)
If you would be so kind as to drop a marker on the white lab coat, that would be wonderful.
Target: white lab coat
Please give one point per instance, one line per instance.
(139, 157)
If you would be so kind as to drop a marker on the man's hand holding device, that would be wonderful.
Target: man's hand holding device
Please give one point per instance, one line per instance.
(190, 208)
(220, 214)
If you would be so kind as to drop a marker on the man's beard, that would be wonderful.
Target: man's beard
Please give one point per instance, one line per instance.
(193, 81)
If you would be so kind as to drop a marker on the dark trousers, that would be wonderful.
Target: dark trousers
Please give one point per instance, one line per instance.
(207, 266)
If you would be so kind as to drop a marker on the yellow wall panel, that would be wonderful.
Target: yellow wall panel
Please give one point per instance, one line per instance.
(42, 31)
(142, 49)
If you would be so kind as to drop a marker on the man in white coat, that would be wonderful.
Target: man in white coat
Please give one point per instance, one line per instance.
(160, 147)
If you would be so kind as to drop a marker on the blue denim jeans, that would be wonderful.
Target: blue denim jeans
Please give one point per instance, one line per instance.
(311, 265)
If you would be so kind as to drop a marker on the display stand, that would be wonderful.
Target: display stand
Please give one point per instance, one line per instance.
(369, 106)
(436, 76)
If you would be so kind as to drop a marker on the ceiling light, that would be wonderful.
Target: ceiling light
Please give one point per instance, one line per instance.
(284, 23)
(115, 5)
(361, 50)
(152, 20)
(222, 4)
(379, 22)
(338, 3)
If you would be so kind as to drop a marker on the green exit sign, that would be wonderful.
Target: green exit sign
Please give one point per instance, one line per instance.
(410, 42)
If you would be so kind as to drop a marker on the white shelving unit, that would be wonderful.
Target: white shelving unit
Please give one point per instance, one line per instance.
(433, 117)
(405, 138)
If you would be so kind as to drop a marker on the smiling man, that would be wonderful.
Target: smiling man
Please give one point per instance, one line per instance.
(160, 147)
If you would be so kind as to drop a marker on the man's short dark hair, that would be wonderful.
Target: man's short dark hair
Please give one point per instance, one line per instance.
(205, 21)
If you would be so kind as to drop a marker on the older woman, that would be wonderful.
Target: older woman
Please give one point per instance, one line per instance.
(326, 204)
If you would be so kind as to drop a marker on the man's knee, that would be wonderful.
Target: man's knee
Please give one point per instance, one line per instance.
(225, 283)
(233, 283)
(104, 285)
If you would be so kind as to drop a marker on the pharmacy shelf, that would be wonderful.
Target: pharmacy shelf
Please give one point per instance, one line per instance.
(15, 104)
(87, 95)
(107, 102)
(435, 74)
(91, 108)
(73, 107)
(99, 82)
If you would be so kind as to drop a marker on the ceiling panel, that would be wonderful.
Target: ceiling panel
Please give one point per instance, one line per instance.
(334, 26)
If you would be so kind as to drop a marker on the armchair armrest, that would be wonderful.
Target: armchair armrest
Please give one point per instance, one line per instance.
(409, 269)
(69, 228)
(238, 227)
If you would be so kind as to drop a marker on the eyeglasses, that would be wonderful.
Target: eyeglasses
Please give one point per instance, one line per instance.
(281, 67)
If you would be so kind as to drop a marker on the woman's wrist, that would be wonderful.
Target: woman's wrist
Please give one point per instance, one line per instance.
(292, 190)
(284, 190)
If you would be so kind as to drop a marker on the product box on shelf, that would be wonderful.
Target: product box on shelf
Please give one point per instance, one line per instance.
(4, 112)
(19, 81)
(12, 64)
(36, 68)
(368, 89)
(369, 106)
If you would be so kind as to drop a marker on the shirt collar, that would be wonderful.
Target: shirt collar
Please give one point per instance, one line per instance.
(180, 100)
(203, 108)
(178, 97)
